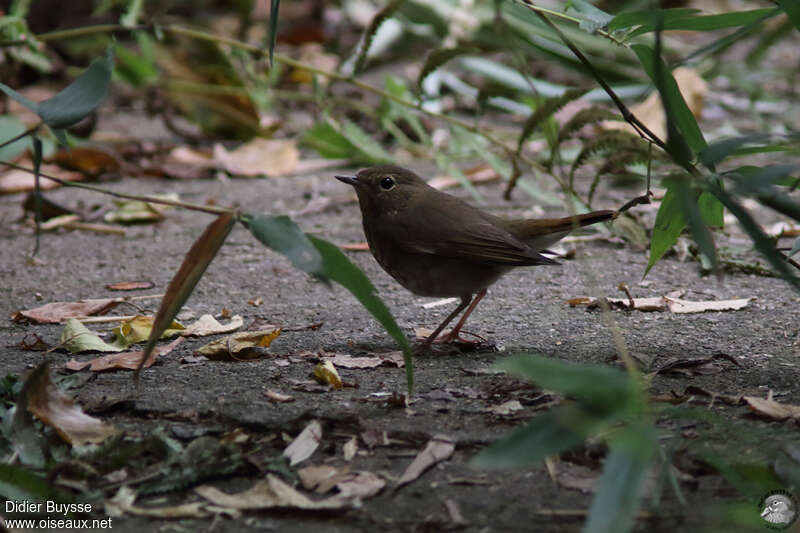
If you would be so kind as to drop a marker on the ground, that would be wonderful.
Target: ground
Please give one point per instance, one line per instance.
(525, 312)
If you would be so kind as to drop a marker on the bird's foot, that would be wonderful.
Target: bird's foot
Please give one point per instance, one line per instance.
(450, 342)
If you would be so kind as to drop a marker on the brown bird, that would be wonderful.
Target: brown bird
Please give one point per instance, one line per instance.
(434, 244)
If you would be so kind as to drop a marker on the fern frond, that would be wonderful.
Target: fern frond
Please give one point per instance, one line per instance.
(546, 109)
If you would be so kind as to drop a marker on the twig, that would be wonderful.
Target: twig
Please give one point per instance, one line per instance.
(149, 199)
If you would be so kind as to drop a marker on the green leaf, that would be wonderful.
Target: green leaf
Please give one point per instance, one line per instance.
(686, 19)
(274, 5)
(558, 430)
(670, 221)
(598, 387)
(700, 232)
(375, 24)
(621, 486)
(439, 57)
(716, 152)
(131, 16)
(10, 127)
(200, 255)
(284, 236)
(19, 98)
(792, 9)
(795, 248)
(17, 483)
(327, 140)
(592, 18)
(81, 96)
(546, 109)
(369, 150)
(674, 104)
(339, 268)
(711, 210)
(761, 241)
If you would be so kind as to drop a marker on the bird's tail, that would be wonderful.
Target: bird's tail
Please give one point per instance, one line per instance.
(542, 233)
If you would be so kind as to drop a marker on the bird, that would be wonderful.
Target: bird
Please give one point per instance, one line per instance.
(435, 244)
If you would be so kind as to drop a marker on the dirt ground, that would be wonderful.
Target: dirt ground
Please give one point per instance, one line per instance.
(525, 312)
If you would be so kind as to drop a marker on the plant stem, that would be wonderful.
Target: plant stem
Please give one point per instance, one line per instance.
(149, 199)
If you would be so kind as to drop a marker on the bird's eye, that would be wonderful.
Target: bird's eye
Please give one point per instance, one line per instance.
(387, 184)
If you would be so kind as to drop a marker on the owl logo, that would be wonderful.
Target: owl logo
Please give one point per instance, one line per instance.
(778, 509)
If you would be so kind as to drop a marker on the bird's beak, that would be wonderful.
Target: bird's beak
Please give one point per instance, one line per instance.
(350, 180)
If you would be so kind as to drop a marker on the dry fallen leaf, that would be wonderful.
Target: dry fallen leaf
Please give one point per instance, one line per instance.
(208, 325)
(662, 303)
(58, 410)
(122, 503)
(278, 397)
(305, 444)
(506, 408)
(239, 346)
(124, 360)
(16, 180)
(439, 448)
(327, 374)
(270, 157)
(321, 478)
(350, 449)
(769, 408)
(87, 159)
(130, 285)
(56, 312)
(267, 494)
(348, 361)
(360, 485)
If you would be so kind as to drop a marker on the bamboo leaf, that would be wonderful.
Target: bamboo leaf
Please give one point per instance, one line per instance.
(81, 96)
(544, 110)
(670, 221)
(198, 258)
(439, 57)
(339, 268)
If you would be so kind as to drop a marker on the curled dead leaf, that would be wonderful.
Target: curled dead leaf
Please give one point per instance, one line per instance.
(56, 409)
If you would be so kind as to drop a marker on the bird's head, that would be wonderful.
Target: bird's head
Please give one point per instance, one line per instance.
(384, 188)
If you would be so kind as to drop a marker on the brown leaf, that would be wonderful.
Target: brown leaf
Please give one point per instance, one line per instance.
(208, 325)
(270, 157)
(267, 494)
(277, 397)
(662, 303)
(87, 159)
(56, 312)
(58, 410)
(123, 360)
(439, 448)
(130, 285)
(305, 444)
(361, 485)
(321, 478)
(769, 408)
(242, 346)
(16, 180)
(198, 258)
(343, 360)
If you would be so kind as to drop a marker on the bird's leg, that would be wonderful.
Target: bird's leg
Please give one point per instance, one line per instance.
(465, 300)
(453, 334)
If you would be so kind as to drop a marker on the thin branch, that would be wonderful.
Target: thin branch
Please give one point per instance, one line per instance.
(149, 199)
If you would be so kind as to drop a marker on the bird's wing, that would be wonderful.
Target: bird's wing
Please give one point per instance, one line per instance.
(473, 236)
